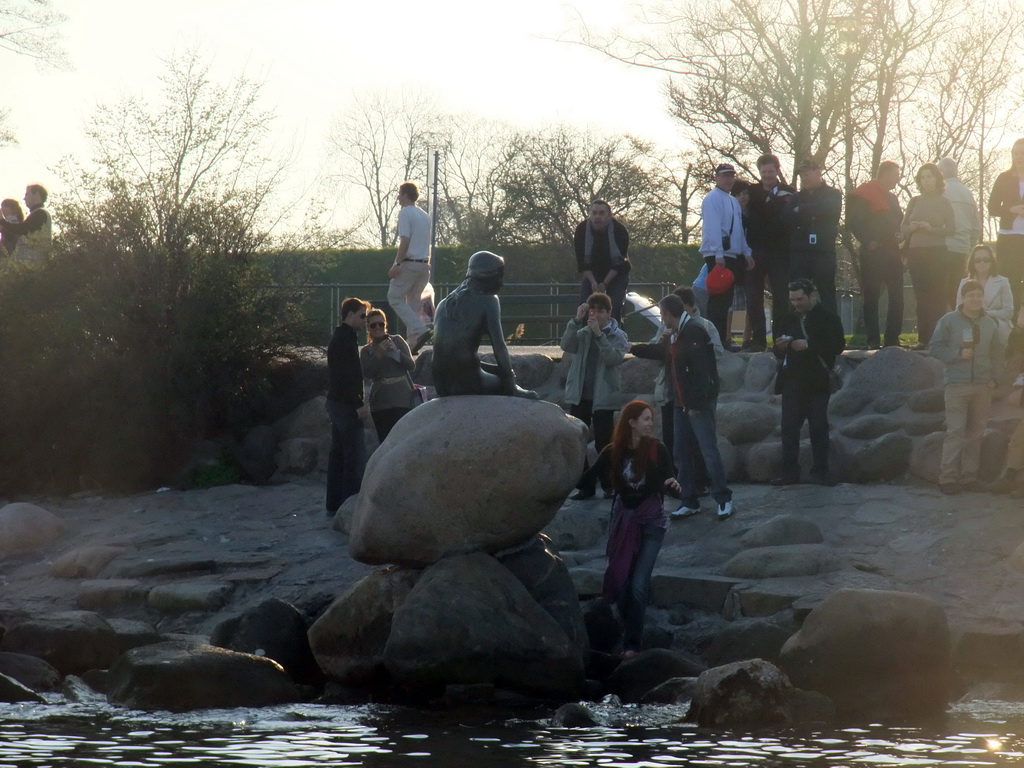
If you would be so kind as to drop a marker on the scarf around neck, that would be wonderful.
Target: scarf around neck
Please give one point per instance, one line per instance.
(613, 247)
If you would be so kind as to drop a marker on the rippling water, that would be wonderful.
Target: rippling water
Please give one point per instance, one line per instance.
(62, 735)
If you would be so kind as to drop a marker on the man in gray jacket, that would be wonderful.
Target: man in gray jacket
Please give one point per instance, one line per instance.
(966, 225)
(592, 388)
(967, 342)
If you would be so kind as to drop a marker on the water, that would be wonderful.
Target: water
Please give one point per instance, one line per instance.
(65, 734)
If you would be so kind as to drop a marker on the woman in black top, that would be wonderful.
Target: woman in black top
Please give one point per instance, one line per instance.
(1006, 203)
(639, 469)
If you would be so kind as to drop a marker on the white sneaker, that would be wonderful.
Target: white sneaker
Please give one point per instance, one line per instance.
(686, 511)
(725, 510)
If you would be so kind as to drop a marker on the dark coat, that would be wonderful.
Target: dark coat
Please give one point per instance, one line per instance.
(345, 372)
(1005, 194)
(766, 230)
(825, 341)
(691, 361)
(873, 226)
(813, 211)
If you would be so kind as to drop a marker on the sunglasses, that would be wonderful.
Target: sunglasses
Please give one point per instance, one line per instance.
(375, 325)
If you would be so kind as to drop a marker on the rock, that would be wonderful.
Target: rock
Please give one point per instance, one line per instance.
(764, 461)
(12, 692)
(927, 400)
(732, 370)
(343, 517)
(893, 369)
(576, 527)
(274, 629)
(185, 596)
(637, 375)
(784, 560)
(532, 370)
(574, 716)
(808, 708)
(72, 641)
(924, 423)
(766, 598)
(309, 420)
(132, 634)
(256, 456)
(883, 459)
(181, 677)
(90, 688)
(469, 620)
(539, 568)
(889, 401)
(25, 527)
(299, 455)
(747, 639)
(993, 455)
(498, 471)
(674, 691)
(748, 694)
(603, 630)
(994, 691)
(869, 427)
(730, 457)
(704, 590)
(636, 676)
(99, 594)
(84, 562)
(1016, 560)
(589, 582)
(875, 653)
(783, 529)
(760, 373)
(990, 649)
(30, 671)
(849, 401)
(348, 639)
(741, 422)
(926, 455)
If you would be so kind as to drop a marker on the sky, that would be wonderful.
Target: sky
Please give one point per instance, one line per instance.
(498, 60)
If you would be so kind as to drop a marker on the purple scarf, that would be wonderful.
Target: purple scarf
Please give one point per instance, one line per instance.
(624, 540)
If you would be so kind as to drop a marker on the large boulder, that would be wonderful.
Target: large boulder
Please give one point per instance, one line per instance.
(782, 529)
(884, 458)
(894, 369)
(348, 639)
(532, 370)
(84, 562)
(30, 671)
(744, 639)
(732, 370)
(25, 527)
(741, 422)
(540, 569)
(13, 692)
(637, 375)
(181, 676)
(750, 693)
(462, 474)
(869, 427)
(926, 456)
(782, 560)
(760, 371)
(927, 400)
(274, 629)
(256, 455)
(875, 653)
(468, 620)
(72, 641)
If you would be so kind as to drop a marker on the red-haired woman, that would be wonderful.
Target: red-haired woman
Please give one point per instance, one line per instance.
(639, 469)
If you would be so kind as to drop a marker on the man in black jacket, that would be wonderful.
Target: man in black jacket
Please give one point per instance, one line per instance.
(812, 338)
(812, 215)
(769, 242)
(345, 407)
(874, 216)
(689, 358)
(602, 256)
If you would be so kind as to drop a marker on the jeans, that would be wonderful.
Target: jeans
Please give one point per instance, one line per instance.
(347, 459)
(634, 598)
(616, 292)
(883, 266)
(405, 295)
(774, 267)
(718, 304)
(604, 423)
(798, 403)
(697, 433)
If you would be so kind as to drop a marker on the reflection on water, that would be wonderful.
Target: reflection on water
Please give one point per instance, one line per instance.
(62, 735)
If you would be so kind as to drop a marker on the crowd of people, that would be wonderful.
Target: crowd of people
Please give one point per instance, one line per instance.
(756, 236)
(26, 238)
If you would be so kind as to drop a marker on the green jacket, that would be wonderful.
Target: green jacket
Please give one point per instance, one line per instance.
(610, 346)
(951, 332)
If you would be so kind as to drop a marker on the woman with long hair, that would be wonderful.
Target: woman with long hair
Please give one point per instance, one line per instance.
(983, 267)
(1006, 203)
(926, 225)
(10, 210)
(386, 362)
(639, 469)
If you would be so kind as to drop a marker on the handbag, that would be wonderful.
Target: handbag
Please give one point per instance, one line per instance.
(417, 392)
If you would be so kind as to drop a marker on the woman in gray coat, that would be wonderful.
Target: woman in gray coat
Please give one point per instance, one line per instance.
(386, 362)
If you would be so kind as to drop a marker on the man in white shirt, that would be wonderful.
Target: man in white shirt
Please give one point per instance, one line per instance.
(966, 227)
(411, 270)
(724, 243)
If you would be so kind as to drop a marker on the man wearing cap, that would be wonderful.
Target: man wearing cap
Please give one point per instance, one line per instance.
(411, 270)
(812, 215)
(723, 244)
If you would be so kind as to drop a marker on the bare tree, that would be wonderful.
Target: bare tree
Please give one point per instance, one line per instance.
(381, 141)
(30, 28)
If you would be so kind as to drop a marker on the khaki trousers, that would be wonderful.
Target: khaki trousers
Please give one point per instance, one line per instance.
(967, 407)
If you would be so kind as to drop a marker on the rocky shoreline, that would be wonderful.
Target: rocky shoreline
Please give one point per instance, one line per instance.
(86, 579)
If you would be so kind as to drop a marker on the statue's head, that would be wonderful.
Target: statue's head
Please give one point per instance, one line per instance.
(487, 268)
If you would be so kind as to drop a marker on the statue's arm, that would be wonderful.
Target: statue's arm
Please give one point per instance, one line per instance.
(498, 346)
